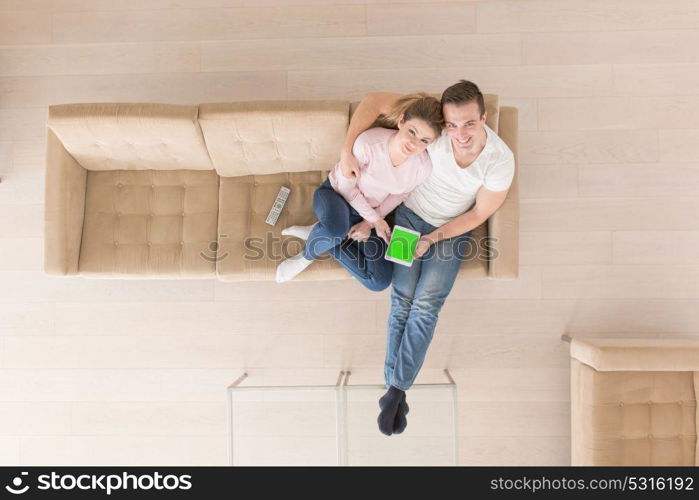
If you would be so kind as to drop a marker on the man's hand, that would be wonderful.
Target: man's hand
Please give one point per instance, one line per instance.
(360, 231)
(382, 230)
(349, 165)
(423, 245)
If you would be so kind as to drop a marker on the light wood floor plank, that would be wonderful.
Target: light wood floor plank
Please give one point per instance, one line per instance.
(656, 247)
(209, 24)
(243, 317)
(548, 181)
(513, 81)
(594, 15)
(656, 79)
(515, 450)
(609, 214)
(641, 180)
(21, 27)
(197, 350)
(359, 52)
(620, 113)
(388, 19)
(589, 146)
(118, 450)
(100, 59)
(178, 88)
(622, 281)
(614, 47)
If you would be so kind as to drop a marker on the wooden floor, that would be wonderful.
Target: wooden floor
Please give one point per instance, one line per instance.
(125, 371)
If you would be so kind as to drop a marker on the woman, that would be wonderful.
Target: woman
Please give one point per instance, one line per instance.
(391, 164)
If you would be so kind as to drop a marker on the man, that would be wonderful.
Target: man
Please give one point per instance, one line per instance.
(471, 175)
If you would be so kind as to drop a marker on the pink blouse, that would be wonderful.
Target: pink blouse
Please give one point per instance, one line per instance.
(381, 187)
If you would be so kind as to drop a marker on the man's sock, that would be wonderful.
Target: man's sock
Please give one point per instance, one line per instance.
(401, 422)
(291, 267)
(389, 403)
(298, 231)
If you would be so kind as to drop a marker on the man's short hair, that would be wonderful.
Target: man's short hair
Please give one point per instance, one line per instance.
(464, 92)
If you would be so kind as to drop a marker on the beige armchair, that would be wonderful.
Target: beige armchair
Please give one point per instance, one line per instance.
(634, 401)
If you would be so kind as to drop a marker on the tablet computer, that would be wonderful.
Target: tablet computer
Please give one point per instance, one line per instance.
(402, 246)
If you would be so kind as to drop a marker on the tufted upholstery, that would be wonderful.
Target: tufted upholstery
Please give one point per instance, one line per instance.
(131, 191)
(634, 401)
(266, 137)
(150, 223)
(245, 237)
(123, 136)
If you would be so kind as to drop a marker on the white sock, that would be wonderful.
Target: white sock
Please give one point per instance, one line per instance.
(291, 267)
(298, 231)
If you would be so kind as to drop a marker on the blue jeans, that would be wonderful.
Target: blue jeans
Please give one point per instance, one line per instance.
(363, 259)
(418, 294)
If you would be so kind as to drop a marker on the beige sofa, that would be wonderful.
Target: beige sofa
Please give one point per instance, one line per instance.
(171, 191)
(634, 401)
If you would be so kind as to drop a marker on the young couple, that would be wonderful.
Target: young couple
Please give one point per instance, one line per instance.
(444, 171)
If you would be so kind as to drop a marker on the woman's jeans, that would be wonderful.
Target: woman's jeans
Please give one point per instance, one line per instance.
(418, 294)
(364, 260)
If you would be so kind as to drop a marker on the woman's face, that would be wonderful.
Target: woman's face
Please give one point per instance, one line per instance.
(414, 136)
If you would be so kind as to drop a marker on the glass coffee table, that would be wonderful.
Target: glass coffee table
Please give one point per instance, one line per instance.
(335, 424)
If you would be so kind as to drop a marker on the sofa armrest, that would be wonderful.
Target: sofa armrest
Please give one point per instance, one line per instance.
(503, 225)
(64, 209)
(644, 354)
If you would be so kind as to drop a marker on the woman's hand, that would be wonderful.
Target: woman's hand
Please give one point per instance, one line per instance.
(349, 165)
(423, 245)
(383, 230)
(360, 231)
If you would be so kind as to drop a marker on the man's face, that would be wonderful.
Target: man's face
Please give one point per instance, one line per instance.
(463, 125)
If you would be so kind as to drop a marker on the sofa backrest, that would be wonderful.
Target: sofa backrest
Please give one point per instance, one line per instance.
(131, 136)
(266, 137)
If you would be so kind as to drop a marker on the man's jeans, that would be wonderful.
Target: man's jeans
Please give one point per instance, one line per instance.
(418, 294)
(363, 259)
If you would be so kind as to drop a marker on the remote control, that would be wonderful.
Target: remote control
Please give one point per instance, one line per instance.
(276, 209)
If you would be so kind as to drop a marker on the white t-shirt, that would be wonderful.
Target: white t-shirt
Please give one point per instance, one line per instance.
(450, 190)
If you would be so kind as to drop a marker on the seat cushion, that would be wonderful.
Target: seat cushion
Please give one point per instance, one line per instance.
(150, 223)
(131, 136)
(249, 248)
(636, 418)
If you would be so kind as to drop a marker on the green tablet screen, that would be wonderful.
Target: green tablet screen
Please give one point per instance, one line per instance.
(402, 245)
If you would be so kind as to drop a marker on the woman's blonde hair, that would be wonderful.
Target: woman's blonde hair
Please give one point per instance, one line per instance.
(417, 105)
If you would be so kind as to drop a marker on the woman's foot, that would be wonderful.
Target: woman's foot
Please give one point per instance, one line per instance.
(291, 267)
(298, 231)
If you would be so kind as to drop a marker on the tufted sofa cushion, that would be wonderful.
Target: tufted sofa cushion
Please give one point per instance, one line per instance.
(633, 417)
(126, 136)
(150, 223)
(266, 137)
(249, 248)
